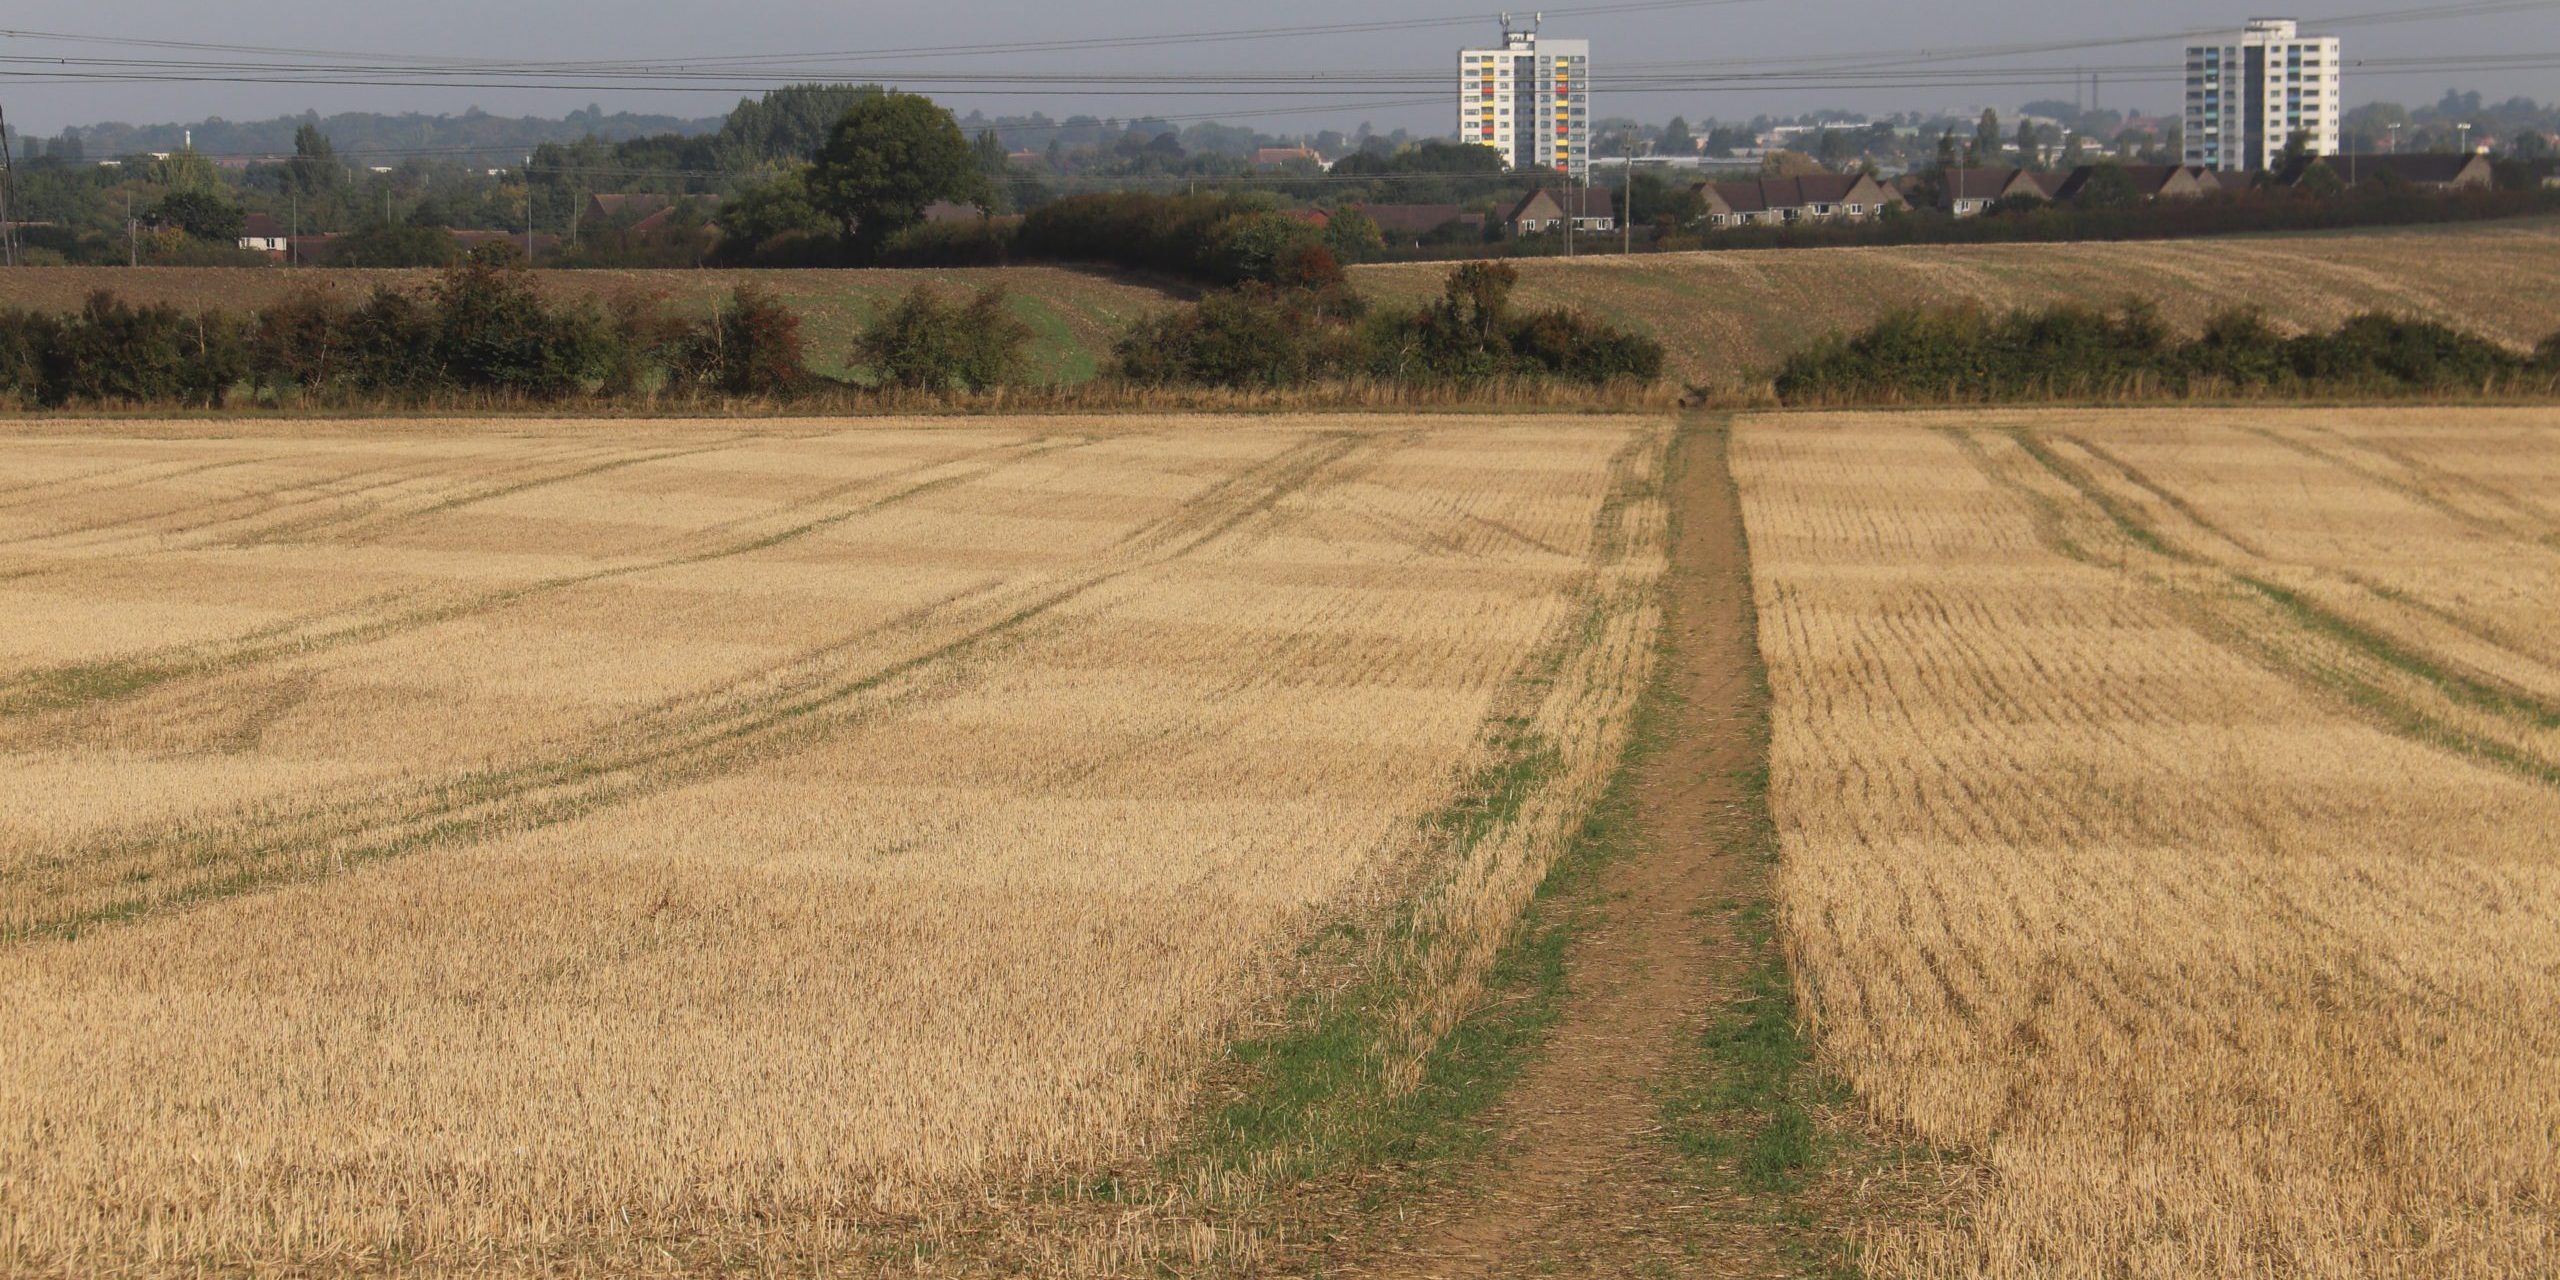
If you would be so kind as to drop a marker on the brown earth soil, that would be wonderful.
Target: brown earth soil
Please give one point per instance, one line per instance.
(1576, 1181)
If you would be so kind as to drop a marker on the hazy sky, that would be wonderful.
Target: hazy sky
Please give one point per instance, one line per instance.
(1729, 34)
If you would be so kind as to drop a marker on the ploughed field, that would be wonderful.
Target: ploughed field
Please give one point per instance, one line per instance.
(667, 845)
(2170, 812)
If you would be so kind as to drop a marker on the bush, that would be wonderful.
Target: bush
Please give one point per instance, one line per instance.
(299, 342)
(2239, 348)
(392, 346)
(112, 351)
(494, 333)
(1254, 336)
(1259, 336)
(1966, 353)
(978, 242)
(25, 336)
(927, 344)
(750, 347)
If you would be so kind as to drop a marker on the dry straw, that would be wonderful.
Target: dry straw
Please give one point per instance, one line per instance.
(593, 846)
(2166, 803)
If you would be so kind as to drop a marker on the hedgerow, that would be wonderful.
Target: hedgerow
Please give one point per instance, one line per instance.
(1969, 354)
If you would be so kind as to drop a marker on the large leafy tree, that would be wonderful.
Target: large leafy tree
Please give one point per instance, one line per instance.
(886, 159)
(203, 214)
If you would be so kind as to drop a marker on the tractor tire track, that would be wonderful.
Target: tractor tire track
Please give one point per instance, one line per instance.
(689, 739)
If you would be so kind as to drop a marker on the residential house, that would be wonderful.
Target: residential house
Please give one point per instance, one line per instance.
(2150, 182)
(644, 212)
(1412, 221)
(1282, 157)
(1826, 197)
(261, 233)
(1966, 192)
(2439, 171)
(1543, 210)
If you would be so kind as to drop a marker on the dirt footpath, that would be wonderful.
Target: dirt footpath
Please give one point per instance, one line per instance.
(1576, 1182)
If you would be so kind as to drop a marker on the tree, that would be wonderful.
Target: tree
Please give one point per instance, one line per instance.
(790, 123)
(1789, 164)
(1986, 137)
(1353, 236)
(314, 167)
(1675, 139)
(185, 171)
(2108, 187)
(889, 157)
(382, 243)
(2029, 154)
(203, 214)
(2297, 151)
(2320, 182)
(779, 206)
(1947, 149)
(995, 167)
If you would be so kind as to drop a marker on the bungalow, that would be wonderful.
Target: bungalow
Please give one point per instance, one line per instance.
(261, 233)
(1543, 210)
(2441, 171)
(1827, 197)
(2150, 182)
(1966, 192)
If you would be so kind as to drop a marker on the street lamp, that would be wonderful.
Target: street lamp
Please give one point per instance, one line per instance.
(2393, 131)
(2465, 127)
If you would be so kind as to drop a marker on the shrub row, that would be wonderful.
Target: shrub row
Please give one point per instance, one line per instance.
(1967, 353)
(479, 329)
(1261, 336)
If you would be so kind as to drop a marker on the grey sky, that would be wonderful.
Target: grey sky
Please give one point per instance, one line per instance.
(1751, 29)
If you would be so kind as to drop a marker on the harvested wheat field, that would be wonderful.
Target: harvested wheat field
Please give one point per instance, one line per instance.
(682, 846)
(1727, 316)
(2170, 812)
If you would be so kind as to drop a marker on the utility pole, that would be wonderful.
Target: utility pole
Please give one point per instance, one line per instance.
(1627, 216)
(8, 188)
(132, 235)
(528, 211)
(293, 234)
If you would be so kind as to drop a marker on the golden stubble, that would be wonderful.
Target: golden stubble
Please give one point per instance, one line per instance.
(455, 849)
(2167, 804)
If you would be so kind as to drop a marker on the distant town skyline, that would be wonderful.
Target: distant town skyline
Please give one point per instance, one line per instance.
(1664, 59)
